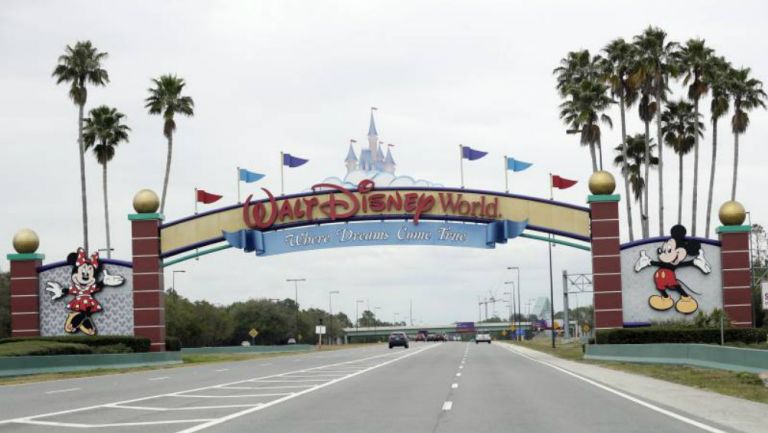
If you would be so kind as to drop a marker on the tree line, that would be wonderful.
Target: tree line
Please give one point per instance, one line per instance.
(200, 323)
(104, 128)
(638, 73)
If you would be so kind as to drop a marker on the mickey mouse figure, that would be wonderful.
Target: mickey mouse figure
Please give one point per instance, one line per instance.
(672, 255)
(88, 277)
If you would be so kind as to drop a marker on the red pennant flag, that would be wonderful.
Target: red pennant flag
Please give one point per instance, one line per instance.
(561, 182)
(207, 197)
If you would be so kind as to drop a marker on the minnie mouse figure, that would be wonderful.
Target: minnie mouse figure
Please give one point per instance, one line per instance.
(672, 255)
(88, 277)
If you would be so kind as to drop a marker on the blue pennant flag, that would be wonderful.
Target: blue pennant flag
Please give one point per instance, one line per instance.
(501, 230)
(249, 176)
(515, 165)
(293, 161)
(472, 154)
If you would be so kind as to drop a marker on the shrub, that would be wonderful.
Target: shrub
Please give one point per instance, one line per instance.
(42, 348)
(680, 335)
(172, 344)
(135, 344)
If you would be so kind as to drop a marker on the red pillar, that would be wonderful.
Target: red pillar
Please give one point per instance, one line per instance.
(148, 300)
(606, 261)
(25, 297)
(737, 274)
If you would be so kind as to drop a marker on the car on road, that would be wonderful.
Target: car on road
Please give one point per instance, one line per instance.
(398, 339)
(483, 338)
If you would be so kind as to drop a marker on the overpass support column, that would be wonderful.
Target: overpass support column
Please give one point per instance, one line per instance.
(148, 283)
(606, 259)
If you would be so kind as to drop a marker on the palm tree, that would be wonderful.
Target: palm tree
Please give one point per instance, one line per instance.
(748, 94)
(103, 132)
(717, 78)
(631, 159)
(619, 56)
(580, 83)
(166, 99)
(693, 60)
(681, 126)
(653, 68)
(78, 66)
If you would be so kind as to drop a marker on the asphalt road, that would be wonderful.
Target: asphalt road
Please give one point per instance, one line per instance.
(431, 387)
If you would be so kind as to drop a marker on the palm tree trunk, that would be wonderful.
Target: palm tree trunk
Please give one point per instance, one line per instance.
(81, 154)
(680, 190)
(735, 163)
(106, 208)
(167, 172)
(711, 176)
(646, 221)
(661, 162)
(594, 157)
(623, 172)
(694, 199)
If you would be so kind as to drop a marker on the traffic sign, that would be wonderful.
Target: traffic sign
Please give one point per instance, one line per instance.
(320, 329)
(253, 333)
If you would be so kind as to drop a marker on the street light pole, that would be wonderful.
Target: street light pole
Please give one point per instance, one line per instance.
(330, 310)
(374, 318)
(357, 317)
(296, 289)
(519, 304)
(173, 277)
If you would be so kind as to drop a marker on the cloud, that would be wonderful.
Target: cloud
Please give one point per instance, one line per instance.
(381, 179)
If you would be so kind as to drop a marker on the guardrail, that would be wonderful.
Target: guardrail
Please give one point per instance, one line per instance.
(697, 355)
(249, 349)
(26, 365)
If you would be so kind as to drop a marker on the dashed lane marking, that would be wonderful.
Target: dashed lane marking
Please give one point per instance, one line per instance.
(447, 405)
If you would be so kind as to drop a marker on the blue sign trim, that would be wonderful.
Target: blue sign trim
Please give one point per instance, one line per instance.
(338, 235)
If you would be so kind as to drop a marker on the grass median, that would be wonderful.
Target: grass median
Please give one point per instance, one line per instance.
(748, 386)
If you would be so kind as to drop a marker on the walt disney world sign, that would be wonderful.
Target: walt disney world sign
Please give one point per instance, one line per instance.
(328, 203)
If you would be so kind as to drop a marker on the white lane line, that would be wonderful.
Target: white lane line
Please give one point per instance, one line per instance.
(265, 364)
(458, 374)
(277, 394)
(29, 419)
(158, 378)
(455, 385)
(121, 424)
(63, 390)
(298, 394)
(447, 405)
(650, 406)
(222, 369)
(266, 387)
(460, 367)
(166, 409)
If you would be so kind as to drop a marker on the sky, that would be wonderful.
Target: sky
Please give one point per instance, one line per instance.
(300, 77)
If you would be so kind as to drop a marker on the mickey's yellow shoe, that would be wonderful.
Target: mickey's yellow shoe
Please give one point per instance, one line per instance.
(686, 305)
(660, 303)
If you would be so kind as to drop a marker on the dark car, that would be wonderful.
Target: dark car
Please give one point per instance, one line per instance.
(398, 339)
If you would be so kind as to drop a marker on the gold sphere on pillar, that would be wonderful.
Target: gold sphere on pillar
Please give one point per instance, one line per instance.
(602, 183)
(146, 201)
(732, 213)
(25, 241)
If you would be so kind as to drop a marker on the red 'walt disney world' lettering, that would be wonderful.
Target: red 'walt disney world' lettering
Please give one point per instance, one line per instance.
(341, 203)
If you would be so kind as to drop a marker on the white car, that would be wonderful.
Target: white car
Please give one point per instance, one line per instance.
(483, 338)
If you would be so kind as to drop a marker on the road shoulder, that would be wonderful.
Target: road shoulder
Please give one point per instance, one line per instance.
(743, 415)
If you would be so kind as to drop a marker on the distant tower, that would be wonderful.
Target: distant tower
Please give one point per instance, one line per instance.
(351, 159)
(379, 164)
(389, 162)
(373, 140)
